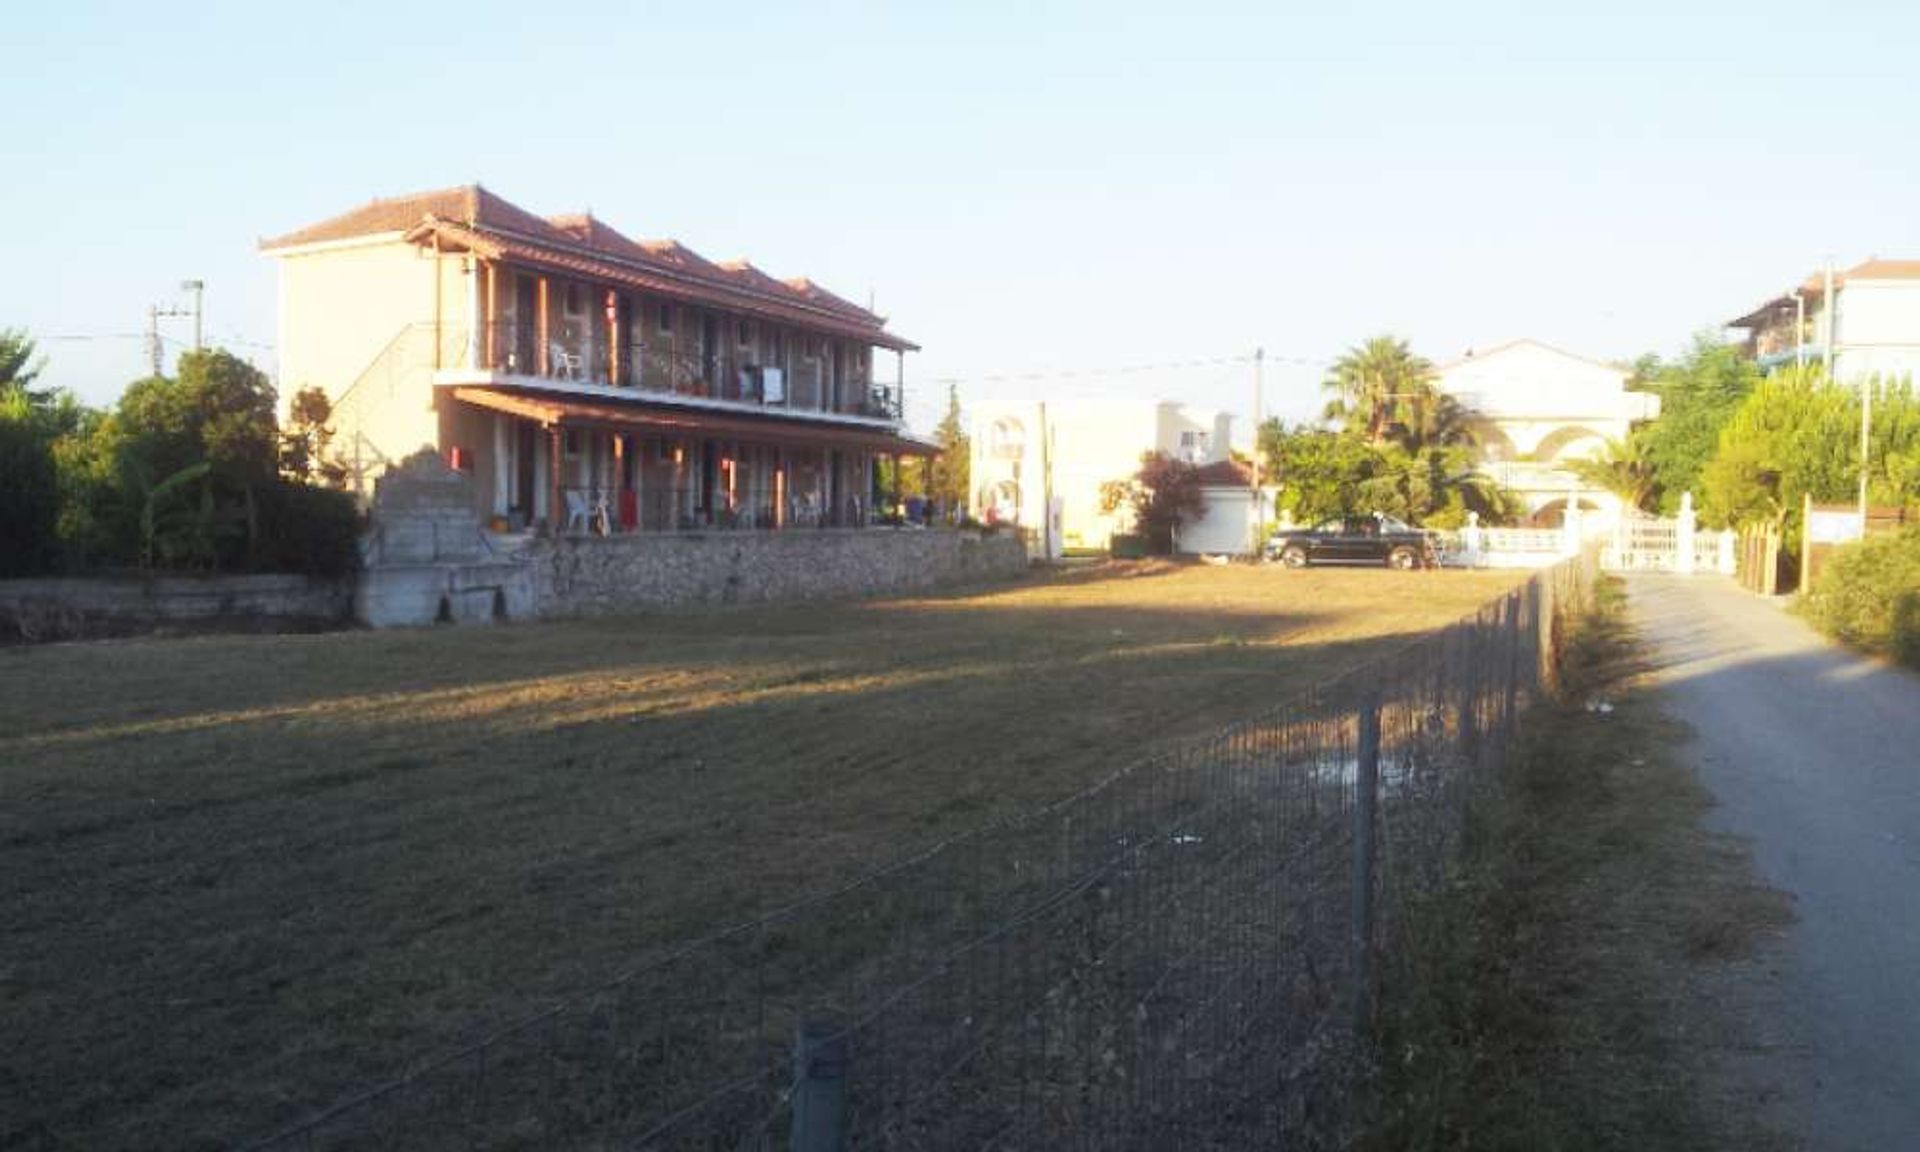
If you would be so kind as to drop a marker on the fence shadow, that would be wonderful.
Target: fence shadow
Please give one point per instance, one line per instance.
(1178, 955)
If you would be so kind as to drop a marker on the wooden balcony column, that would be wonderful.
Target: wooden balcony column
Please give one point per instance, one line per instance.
(543, 331)
(491, 318)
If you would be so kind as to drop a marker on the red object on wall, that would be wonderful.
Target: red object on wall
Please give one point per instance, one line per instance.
(629, 509)
(459, 459)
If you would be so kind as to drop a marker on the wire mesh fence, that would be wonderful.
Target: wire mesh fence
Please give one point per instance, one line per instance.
(1180, 955)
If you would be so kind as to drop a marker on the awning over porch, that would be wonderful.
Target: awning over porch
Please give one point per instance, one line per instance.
(617, 415)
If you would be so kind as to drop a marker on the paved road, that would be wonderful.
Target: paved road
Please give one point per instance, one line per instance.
(1814, 754)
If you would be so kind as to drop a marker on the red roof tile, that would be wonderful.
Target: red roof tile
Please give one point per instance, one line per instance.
(580, 242)
(1224, 474)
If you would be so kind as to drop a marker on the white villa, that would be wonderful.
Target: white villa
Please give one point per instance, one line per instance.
(1538, 408)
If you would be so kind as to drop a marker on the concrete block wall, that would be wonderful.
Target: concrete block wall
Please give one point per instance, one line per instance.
(82, 607)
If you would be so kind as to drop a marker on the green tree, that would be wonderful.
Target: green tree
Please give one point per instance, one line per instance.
(306, 443)
(218, 411)
(1623, 468)
(1319, 472)
(1164, 494)
(1698, 395)
(1791, 437)
(29, 489)
(1322, 474)
(1374, 384)
(951, 472)
(20, 366)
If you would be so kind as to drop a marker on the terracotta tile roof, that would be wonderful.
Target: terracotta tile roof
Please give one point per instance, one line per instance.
(468, 204)
(583, 243)
(1225, 474)
(1875, 269)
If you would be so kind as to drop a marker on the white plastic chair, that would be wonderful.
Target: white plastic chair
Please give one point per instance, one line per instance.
(561, 362)
(577, 510)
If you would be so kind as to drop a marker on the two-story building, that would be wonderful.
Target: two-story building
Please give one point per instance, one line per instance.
(1069, 451)
(1870, 326)
(588, 381)
(1535, 410)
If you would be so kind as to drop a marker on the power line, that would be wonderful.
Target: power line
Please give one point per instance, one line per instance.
(1007, 377)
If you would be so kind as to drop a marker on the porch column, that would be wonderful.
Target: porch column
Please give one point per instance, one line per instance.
(619, 481)
(614, 351)
(474, 321)
(502, 463)
(540, 330)
(780, 487)
(556, 482)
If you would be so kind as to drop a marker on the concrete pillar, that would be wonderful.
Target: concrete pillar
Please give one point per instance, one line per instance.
(1472, 539)
(502, 463)
(1683, 532)
(1726, 563)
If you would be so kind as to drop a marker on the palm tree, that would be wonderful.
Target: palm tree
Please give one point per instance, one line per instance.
(1429, 418)
(1372, 380)
(1622, 468)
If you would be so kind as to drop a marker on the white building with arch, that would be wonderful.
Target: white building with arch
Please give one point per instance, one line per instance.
(1536, 409)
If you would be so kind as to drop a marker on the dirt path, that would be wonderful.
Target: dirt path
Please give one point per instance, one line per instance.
(1813, 754)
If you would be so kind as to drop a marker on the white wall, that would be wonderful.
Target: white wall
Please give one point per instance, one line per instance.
(1879, 329)
(1092, 443)
(1227, 528)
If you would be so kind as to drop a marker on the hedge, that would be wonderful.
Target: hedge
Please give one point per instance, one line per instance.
(1869, 596)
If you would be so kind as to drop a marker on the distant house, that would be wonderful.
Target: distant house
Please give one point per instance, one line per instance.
(584, 378)
(1536, 409)
(1073, 449)
(1872, 325)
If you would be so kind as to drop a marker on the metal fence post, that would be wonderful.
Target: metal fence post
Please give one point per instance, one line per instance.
(1366, 794)
(819, 1089)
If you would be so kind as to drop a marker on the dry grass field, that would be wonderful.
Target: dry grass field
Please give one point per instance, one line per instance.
(242, 876)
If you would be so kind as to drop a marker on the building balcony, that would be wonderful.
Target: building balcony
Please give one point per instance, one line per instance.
(580, 358)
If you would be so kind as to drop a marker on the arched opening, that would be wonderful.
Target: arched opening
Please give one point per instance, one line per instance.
(1007, 439)
(1553, 513)
(1570, 443)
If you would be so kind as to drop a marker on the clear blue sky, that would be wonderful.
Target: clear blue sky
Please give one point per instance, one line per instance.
(1020, 186)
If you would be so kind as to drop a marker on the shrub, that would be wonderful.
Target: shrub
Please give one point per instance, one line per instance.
(1869, 596)
(29, 496)
(307, 529)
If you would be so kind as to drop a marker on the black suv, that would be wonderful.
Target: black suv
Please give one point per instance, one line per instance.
(1374, 539)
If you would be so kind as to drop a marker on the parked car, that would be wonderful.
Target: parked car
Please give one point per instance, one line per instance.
(1374, 539)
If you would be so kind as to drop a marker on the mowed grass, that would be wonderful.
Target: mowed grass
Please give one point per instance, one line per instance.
(243, 876)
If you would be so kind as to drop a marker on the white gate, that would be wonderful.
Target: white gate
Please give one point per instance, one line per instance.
(1644, 544)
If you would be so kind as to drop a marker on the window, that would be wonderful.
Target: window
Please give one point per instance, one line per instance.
(576, 300)
(745, 333)
(666, 318)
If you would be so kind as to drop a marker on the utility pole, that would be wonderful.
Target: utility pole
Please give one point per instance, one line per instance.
(1828, 302)
(156, 355)
(199, 289)
(1866, 445)
(1259, 505)
(1046, 486)
(1799, 328)
(153, 340)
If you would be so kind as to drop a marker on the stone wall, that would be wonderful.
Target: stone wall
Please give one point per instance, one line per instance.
(594, 575)
(82, 607)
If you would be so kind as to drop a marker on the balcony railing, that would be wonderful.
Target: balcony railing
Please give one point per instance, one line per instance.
(603, 512)
(580, 352)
